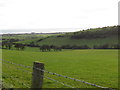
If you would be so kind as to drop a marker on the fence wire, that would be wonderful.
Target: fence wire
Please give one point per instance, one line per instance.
(51, 80)
(15, 79)
(17, 76)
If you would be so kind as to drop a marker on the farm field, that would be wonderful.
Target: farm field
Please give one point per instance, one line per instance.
(99, 67)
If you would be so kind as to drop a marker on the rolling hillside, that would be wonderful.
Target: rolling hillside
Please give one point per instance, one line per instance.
(90, 37)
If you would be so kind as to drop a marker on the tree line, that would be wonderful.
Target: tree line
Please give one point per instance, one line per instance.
(9, 45)
(19, 46)
(44, 48)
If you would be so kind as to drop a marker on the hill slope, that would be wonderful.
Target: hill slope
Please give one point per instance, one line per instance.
(90, 37)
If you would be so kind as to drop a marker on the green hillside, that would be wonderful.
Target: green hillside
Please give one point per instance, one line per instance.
(90, 37)
(89, 42)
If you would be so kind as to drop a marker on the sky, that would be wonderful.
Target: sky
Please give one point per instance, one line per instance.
(17, 16)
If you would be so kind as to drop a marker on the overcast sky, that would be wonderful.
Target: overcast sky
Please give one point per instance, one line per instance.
(56, 15)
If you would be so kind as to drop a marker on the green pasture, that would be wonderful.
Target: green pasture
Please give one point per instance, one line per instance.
(95, 66)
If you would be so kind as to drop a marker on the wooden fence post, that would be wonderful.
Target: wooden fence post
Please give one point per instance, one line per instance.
(37, 75)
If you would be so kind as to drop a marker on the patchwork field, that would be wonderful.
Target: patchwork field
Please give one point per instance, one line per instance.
(99, 67)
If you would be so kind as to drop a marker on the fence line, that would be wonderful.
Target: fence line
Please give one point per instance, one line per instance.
(16, 64)
(19, 68)
(16, 79)
(54, 74)
(58, 82)
(23, 70)
(44, 77)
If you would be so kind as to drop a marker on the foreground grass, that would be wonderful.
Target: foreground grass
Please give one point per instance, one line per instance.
(95, 66)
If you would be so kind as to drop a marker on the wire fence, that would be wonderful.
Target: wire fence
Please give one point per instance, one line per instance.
(20, 77)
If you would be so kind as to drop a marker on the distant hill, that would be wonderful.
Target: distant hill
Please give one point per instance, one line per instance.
(90, 37)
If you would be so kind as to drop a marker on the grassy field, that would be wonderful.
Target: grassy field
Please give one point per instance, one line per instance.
(95, 66)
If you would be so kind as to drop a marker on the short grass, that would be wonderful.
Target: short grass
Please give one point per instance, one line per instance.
(95, 66)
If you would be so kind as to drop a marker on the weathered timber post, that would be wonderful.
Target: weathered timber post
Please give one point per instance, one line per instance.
(37, 75)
